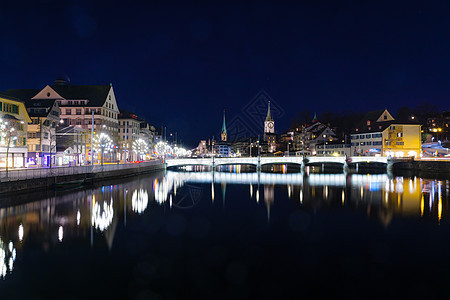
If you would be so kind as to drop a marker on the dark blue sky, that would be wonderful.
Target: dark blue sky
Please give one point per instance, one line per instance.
(182, 63)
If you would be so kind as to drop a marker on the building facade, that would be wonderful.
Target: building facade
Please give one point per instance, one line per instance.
(14, 121)
(91, 107)
(378, 134)
(129, 134)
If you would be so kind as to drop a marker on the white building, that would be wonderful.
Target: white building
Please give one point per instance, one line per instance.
(80, 104)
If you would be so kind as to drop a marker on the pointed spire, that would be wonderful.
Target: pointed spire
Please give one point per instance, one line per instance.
(269, 116)
(315, 117)
(224, 126)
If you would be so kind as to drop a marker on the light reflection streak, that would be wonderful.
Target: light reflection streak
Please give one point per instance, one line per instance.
(20, 232)
(102, 215)
(139, 201)
(60, 233)
(399, 193)
(7, 258)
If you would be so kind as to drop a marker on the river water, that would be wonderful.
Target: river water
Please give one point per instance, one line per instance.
(230, 234)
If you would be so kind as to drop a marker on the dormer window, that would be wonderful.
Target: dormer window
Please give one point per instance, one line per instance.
(368, 122)
(385, 117)
(357, 129)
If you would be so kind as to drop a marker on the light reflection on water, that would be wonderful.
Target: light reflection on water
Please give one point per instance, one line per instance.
(89, 212)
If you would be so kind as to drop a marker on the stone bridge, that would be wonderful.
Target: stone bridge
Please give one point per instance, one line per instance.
(261, 161)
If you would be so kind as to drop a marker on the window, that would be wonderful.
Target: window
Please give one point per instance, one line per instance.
(68, 111)
(363, 143)
(78, 111)
(385, 117)
(361, 136)
(399, 134)
(392, 128)
(368, 122)
(1, 105)
(368, 136)
(399, 143)
(369, 143)
(45, 135)
(11, 108)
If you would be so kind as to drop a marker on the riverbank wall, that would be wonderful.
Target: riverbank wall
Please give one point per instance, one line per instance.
(23, 181)
(423, 168)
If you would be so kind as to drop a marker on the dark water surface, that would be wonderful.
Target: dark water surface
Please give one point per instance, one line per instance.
(247, 235)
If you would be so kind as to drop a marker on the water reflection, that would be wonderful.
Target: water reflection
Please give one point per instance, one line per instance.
(374, 193)
(7, 257)
(94, 214)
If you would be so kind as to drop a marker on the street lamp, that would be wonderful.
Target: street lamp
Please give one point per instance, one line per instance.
(176, 135)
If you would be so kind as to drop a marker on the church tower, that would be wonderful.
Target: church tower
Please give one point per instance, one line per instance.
(269, 131)
(269, 124)
(223, 134)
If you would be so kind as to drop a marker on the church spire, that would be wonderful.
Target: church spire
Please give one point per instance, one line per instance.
(269, 116)
(315, 117)
(224, 126)
(223, 134)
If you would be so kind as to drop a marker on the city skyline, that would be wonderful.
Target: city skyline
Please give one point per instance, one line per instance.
(179, 66)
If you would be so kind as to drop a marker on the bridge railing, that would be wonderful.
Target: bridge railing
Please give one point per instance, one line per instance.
(35, 173)
(274, 160)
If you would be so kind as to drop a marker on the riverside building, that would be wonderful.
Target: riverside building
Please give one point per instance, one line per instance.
(379, 134)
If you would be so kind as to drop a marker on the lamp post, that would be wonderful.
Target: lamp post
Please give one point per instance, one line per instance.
(324, 139)
(176, 135)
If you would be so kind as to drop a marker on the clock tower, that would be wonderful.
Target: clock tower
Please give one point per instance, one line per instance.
(269, 124)
(269, 131)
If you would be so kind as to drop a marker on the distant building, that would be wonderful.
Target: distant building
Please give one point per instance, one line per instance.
(129, 132)
(307, 136)
(379, 134)
(437, 128)
(269, 131)
(202, 148)
(223, 148)
(334, 148)
(223, 134)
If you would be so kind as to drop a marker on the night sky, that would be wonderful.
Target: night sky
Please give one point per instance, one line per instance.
(181, 64)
